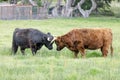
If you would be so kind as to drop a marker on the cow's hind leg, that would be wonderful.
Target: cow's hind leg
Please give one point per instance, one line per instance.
(14, 48)
(104, 50)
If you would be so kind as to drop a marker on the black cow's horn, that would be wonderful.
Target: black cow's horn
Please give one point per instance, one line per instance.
(53, 40)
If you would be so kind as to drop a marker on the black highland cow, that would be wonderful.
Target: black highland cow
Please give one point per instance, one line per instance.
(30, 38)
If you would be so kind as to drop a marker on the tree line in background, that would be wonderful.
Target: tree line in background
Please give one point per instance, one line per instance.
(70, 8)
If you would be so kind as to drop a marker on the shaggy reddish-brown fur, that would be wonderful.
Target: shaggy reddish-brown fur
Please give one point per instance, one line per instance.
(78, 40)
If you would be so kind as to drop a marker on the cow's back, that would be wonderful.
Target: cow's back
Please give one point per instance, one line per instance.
(35, 35)
(92, 38)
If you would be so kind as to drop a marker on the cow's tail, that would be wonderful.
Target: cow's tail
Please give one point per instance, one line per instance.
(111, 48)
(14, 45)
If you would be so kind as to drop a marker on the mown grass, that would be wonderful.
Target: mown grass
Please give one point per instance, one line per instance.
(54, 65)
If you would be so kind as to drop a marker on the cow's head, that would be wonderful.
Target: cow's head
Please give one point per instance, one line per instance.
(47, 41)
(59, 43)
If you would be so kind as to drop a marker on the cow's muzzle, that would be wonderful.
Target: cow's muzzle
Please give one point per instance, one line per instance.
(50, 48)
(58, 49)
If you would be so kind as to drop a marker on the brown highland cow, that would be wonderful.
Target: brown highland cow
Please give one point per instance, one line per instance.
(78, 40)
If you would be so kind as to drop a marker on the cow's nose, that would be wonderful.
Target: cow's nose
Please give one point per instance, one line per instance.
(50, 48)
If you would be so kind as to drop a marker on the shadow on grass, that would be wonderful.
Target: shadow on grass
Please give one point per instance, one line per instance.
(93, 54)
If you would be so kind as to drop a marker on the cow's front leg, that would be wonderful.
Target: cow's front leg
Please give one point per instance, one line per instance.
(33, 51)
(82, 51)
(22, 50)
(76, 54)
(35, 48)
(31, 44)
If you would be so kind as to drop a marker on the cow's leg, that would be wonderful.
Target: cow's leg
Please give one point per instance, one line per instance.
(33, 51)
(35, 48)
(81, 48)
(31, 44)
(76, 54)
(22, 50)
(14, 48)
(82, 51)
(104, 50)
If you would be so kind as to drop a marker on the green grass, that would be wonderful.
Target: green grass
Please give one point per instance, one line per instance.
(54, 65)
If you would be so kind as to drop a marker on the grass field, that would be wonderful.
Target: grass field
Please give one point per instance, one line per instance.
(54, 65)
